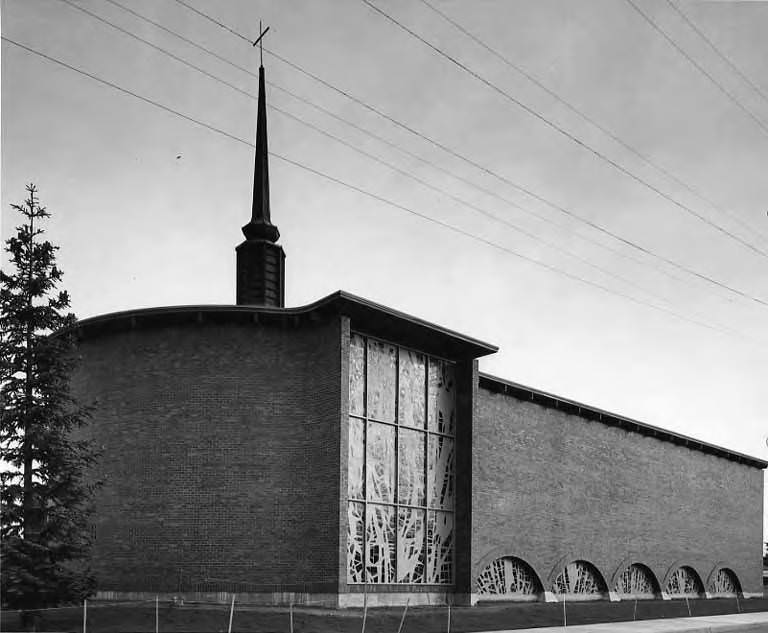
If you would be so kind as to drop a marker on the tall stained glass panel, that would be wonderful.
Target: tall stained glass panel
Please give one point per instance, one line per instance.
(356, 460)
(442, 397)
(380, 543)
(411, 488)
(440, 471)
(380, 462)
(357, 375)
(382, 379)
(413, 381)
(401, 465)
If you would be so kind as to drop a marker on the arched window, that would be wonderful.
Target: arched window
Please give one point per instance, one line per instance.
(508, 576)
(637, 581)
(725, 583)
(685, 582)
(579, 577)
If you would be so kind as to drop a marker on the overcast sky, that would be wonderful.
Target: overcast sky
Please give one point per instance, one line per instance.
(646, 299)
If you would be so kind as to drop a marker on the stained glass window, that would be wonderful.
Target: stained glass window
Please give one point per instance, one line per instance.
(411, 403)
(440, 471)
(382, 372)
(401, 465)
(578, 577)
(439, 547)
(442, 397)
(725, 583)
(380, 462)
(506, 576)
(411, 488)
(356, 461)
(410, 545)
(357, 376)
(380, 543)
(684, 582)
(355, 542)
(636, 580)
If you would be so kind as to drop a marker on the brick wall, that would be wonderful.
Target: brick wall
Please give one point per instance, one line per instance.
(550, 487)
(220, 455)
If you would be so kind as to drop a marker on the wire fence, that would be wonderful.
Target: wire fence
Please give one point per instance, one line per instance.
(227, 611)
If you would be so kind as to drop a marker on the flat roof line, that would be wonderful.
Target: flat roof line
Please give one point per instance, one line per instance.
(494, 383)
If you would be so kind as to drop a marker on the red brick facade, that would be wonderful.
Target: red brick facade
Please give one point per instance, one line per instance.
(224, 434)
(550, 487)
(220, 456)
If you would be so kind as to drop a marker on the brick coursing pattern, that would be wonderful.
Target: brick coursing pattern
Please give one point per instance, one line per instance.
(220, 456)
(550, 487)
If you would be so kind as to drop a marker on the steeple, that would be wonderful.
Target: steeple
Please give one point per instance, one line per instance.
(260, 261)
(260, 226)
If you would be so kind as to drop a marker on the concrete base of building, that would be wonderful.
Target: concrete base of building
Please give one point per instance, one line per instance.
(401, 598)
(360, 599)
(550, 596)
(284, 598)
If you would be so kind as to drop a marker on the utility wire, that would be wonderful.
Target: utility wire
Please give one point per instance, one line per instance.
(448, 150)
(646, 159)
(700, 68)
(489, 192)
(399, 148)
(717, 51)
(565, 133)
(555, 206)
(371, 195)
(376, 159)
(208, 17)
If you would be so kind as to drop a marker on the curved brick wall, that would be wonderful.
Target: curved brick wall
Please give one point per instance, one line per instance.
(220, 455)
(550, 487)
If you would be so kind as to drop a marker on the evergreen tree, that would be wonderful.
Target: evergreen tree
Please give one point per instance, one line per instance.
(45, 495)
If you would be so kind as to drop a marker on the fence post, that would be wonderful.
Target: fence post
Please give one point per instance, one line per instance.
(231, 613)
(402, 619)
(634, 613)
(290, 613)
(448, 629)
(738, 607)
(157, 614)
(85, 611)
(688, 604)
(365, 606)
(565, 617)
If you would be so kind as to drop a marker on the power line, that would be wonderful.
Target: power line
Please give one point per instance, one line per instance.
(589, 119)
(564, 132)
(356, 149)
(719, 53)
(469, 161)
(394, 145)
(208, 17)
(700, 68)
(377, 159)
(371, 195)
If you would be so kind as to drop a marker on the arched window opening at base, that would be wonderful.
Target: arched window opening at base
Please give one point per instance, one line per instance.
(685, 582)
(725, 584)
(579, 578)
(637, 581)
(509, 577)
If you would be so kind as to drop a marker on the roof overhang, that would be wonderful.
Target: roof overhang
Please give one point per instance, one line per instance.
(365, 316)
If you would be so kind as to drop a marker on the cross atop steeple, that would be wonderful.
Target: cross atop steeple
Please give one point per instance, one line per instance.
(260, 226)
(261, 43)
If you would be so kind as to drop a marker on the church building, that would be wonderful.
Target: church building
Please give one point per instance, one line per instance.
(344, 452)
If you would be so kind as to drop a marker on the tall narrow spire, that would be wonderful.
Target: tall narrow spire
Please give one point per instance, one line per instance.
(260, 226)
(260, 261)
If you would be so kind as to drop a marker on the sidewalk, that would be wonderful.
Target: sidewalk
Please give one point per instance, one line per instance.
(753, 622)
